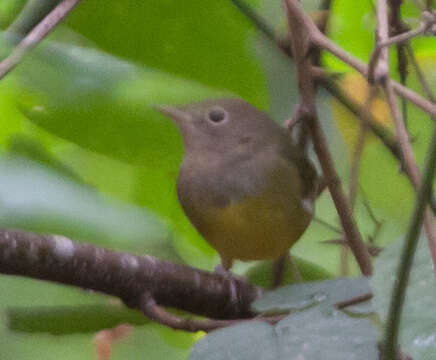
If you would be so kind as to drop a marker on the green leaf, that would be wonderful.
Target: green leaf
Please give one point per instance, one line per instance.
(35, 198)
(300, 296)
(21, 145)
(417, 328)
(63, 320)
(8, 11)
(205, 41)
(308, 335)
(105, 104)
(140, 340)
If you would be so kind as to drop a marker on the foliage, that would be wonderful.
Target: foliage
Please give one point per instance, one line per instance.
(84, 154)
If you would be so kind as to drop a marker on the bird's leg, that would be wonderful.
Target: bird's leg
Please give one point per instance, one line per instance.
(224, 270)
(224, 267)
(279, 270)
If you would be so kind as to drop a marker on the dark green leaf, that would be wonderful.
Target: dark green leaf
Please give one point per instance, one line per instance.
(63, 320)
(205, 41)
(105, 104)
(28, 147)
(417, 329)
(35, 198)
(300, 296)
(308, 335)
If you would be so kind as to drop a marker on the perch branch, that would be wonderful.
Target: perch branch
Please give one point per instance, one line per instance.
(58, 259)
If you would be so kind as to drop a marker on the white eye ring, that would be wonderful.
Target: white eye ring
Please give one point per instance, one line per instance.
(216, 115)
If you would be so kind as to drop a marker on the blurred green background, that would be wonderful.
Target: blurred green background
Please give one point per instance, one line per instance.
(83, 153)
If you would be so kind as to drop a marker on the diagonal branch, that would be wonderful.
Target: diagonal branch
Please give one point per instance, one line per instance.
(319, 39)
(300, 43)
(332, 87)
(428, 19)
(38, 33)
(402, 134)
(378, 67)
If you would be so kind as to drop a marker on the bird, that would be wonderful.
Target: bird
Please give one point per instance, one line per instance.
(243, 183)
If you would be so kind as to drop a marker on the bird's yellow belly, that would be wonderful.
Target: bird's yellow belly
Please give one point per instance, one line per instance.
(263, 227)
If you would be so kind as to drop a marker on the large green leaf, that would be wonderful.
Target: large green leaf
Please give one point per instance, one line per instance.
(324, 293)
(64, 320)
(205, 41)
(35, 198)
(308, 335)
(417, 329)
(105, 104)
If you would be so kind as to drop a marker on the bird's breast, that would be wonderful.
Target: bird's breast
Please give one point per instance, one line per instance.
(246, 212)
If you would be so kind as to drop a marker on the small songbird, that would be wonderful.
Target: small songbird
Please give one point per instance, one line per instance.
(244, 185)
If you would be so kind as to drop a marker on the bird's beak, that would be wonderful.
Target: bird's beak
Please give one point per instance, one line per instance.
(175, 113)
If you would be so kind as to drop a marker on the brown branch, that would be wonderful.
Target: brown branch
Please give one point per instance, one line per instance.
(321, 40)
(397, 28)
(58, 259)
(354, 301)
(354, 175)
(404, 37)
(35, 36)
(421, 77)
(378, 67)
(330, 84)
(159, 314)
(428, 20)
(300, 37)
(380, 131)
(359, 147)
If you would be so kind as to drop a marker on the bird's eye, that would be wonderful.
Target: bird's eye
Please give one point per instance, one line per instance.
(216, 115)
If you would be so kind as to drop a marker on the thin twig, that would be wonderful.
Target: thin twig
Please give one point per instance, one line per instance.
(35, 36)
(410, 163)
(378, 67)
(354, 174)
(428, 19)
(359, 147)
(300, 44)
(402, 134)
(406, 260)
(421, 77)
(160, 315)
(332, 87)
(321, 40)
(354, 301)
(327, 225)
(398, 27)
(428, 221)
(255, 18)
(380, 131)
(404, 37)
